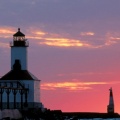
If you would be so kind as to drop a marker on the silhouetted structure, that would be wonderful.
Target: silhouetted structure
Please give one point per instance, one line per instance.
(19, 88)
(59, 115)
(110, 107)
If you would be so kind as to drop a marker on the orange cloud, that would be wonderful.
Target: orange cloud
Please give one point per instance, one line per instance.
(40, 33)
(53, 39)
(63, 42)
(35, 37)
(58, 40)
(6, 31)
(87, 33)
(75, 86)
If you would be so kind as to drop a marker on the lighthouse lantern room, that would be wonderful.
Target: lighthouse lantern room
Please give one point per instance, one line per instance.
(19, 88)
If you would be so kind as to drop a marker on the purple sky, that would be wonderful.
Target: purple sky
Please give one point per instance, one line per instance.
(74, 49)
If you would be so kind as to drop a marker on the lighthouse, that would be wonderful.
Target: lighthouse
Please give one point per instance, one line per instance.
(110, 107)
(19, 49)
(19, 89)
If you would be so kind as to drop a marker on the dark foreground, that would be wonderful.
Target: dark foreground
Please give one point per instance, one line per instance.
(59, 115)
(37, 114)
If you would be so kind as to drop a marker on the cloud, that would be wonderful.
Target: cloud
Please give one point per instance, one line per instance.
(6, 32)
(63, 40)
(73, 86)
(87, 33)
(53, 39)
(4, 45)
(37, 32)
(112, 38)
(83, 41)
(40, 33)
(86, 74)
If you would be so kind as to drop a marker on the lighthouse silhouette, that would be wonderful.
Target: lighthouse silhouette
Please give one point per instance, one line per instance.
(19, 89)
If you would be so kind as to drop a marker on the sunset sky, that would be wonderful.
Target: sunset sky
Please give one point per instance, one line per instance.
(74, 49)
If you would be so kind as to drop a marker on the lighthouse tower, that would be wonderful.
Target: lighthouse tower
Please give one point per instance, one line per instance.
(19, 50)
(110, 107)
(19, 88)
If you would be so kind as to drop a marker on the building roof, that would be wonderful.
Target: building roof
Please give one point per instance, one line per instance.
(18, 75)
(18, 33)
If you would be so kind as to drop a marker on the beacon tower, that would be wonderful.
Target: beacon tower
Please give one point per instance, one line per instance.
(19, 88)
(110, 107)
(19, 50)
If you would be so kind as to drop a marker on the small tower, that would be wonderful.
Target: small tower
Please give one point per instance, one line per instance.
(110, 107)
(19, 89)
